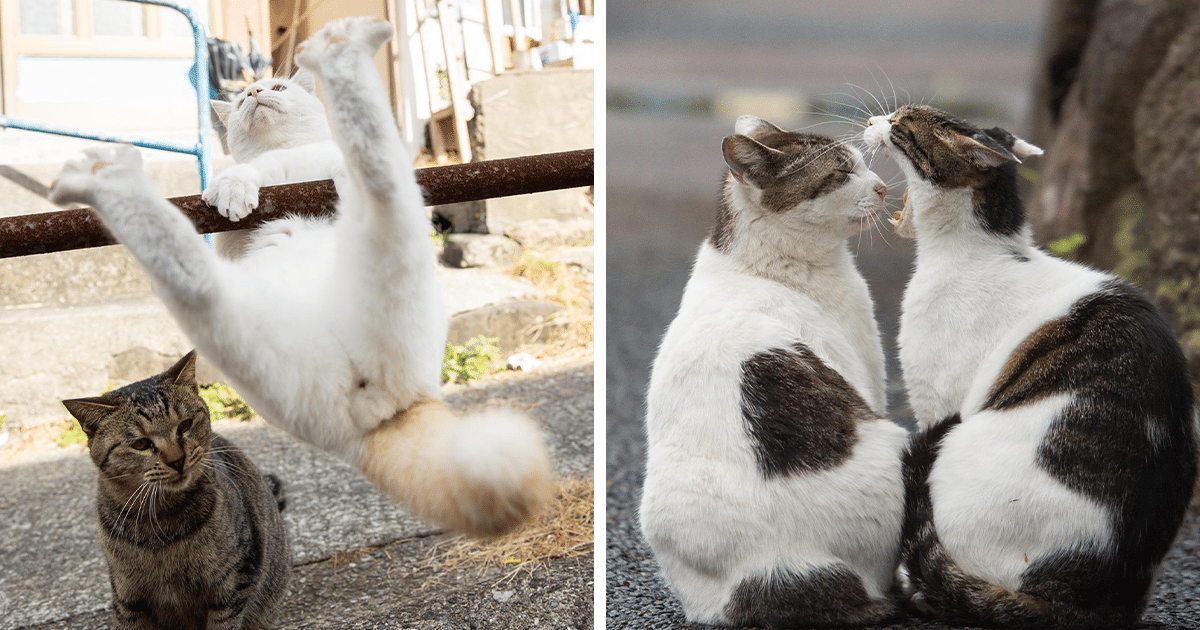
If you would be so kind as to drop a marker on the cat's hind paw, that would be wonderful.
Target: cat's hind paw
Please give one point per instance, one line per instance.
(347, 35)
(104, 168)
(234, 193)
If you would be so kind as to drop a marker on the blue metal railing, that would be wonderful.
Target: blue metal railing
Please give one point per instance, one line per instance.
(199, 77)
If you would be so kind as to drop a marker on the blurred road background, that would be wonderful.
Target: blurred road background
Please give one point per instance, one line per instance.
(678, 75)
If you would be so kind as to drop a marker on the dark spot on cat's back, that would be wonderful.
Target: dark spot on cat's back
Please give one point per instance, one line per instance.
(1125, 437)
(801, 415)
(828, 596)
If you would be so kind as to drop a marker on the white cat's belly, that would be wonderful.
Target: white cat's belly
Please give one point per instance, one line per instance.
(995, 509)
(713, 523)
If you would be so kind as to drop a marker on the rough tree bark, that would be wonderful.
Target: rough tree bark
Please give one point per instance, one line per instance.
(1117, 105)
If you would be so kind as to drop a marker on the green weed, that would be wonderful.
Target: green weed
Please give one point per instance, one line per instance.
(470, 360)
(224, 403)
(73, 435)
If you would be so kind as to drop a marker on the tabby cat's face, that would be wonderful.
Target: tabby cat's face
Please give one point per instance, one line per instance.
(947, 152)
(803, 179)
(941, 154)
(154, 432)
(272, 114)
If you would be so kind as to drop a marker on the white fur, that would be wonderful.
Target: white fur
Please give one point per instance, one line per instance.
(278, 134)
(969, 305)
(708, 514)
(996, 510)
(334, 327)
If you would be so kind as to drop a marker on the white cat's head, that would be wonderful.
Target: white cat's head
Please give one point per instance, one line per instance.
(273, 114)
(799, 183)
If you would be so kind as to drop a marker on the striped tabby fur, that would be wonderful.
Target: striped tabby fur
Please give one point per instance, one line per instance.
(190, 529)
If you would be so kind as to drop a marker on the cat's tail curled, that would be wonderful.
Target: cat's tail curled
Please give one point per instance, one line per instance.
(482, 473)
(939, 586)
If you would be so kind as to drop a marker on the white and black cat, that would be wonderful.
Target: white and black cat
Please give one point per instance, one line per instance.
(773, 491)
(1059, 449)
(278, 133)
(336, 331)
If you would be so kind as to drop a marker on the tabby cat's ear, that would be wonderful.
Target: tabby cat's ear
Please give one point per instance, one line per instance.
(749, 160)
(1025, 149)
(183, 372)
(89, 412)
(305, 79)
(221, 109)
(753, 126)
(988, 155)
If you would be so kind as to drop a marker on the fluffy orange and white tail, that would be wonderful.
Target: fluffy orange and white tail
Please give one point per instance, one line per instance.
(483, 473)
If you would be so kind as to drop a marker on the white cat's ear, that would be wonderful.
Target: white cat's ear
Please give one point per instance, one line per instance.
(305, 79)
(749, 161)
(221, 109)
(753, 126)
(1025, 149)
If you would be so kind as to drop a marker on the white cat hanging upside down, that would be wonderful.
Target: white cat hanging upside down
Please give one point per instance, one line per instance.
(336, 333)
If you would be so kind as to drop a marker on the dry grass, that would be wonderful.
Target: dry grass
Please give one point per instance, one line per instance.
(564, 530)
(569, 289)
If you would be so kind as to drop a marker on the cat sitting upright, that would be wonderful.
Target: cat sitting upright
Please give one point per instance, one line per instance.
(278, 133)
(337, 332)
(773, 493)
(190, 530)
(1059, 449)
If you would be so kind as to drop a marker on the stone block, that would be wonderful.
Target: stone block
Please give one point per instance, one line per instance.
(527, 113)
(515, 323)
(480, 250)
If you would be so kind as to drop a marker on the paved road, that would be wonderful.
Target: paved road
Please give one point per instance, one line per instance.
(356, 551)
(669, 75)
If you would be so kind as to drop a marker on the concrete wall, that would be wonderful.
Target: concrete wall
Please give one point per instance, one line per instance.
(526, 113)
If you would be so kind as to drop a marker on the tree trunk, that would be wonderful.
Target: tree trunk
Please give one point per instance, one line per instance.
(1118, 109)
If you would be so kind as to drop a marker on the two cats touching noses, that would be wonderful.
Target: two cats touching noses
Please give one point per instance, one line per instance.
(333, 330)
(1055, 450)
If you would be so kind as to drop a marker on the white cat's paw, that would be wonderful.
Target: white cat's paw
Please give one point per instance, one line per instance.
(347, 35)
(234, 193)
(105, 168)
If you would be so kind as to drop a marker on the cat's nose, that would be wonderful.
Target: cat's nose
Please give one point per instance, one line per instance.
(174, 457)
(881, 190)
(256, 90)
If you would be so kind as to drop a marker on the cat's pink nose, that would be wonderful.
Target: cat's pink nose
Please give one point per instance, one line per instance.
(881, 190)
(255, 90)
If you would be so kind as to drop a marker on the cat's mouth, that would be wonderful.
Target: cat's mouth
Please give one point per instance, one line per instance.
(902, 220)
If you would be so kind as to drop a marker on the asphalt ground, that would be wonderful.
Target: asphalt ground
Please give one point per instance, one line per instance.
(361, 561)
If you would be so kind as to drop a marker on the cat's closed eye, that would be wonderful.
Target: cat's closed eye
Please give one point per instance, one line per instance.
(279, 88)
(143, 444)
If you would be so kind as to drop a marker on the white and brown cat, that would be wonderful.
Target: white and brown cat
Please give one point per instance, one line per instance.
(1058, 450)
(336, 331)
(773, 491)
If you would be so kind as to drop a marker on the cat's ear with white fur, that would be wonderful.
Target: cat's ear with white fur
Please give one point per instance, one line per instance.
(749, 160)
(305, 79)
(222, 109)
(989, 155)
(753, 126)
(1025, 149)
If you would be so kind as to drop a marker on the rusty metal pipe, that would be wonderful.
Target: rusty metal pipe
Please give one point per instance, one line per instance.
(77, 229)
